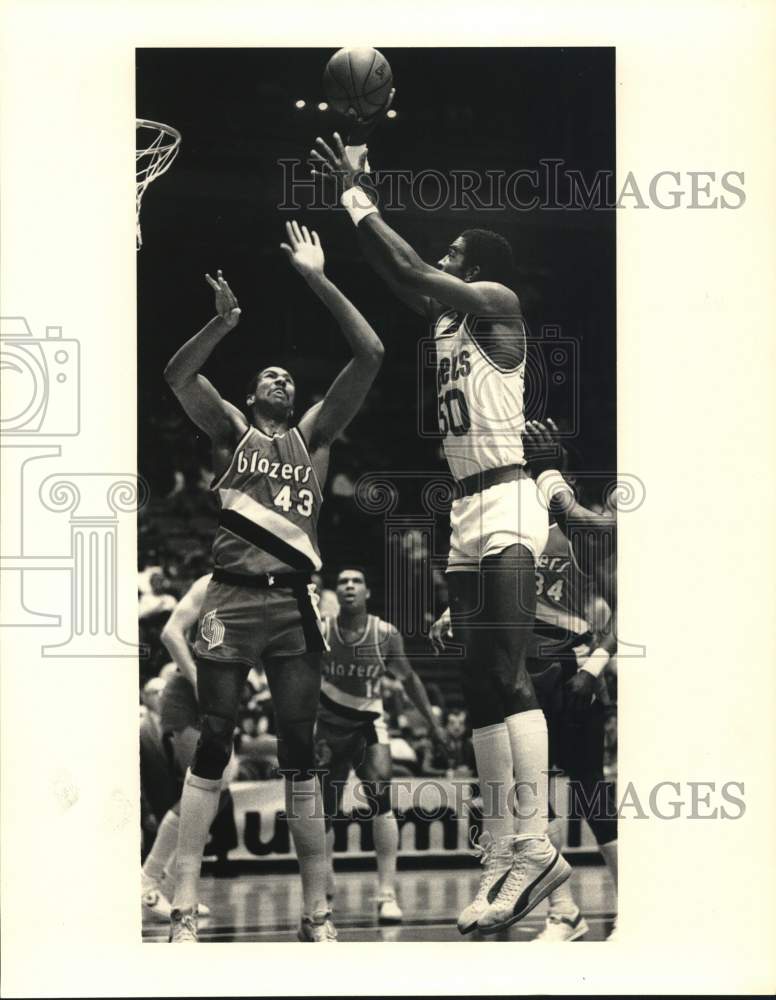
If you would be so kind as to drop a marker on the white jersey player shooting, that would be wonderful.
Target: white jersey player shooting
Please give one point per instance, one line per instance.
(498, 529)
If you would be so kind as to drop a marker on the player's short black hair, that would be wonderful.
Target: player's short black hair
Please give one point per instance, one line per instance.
(491, 253)
(356, 568)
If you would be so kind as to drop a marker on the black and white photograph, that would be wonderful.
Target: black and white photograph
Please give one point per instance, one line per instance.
(381, 536)
(376, 339)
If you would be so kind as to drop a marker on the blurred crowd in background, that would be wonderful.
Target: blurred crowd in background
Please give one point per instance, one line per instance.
(176, 528)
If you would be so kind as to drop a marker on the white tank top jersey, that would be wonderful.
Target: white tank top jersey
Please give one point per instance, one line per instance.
(480, 404)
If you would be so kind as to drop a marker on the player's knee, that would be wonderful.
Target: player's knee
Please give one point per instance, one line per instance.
(378, 797)
(482, 699)
(214, 747)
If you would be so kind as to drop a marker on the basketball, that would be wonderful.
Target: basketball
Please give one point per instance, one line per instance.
(357, 82)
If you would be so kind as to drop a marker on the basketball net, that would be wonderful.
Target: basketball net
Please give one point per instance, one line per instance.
(156, 146)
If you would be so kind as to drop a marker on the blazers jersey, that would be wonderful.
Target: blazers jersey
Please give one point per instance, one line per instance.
(352, 671)
(270, 501)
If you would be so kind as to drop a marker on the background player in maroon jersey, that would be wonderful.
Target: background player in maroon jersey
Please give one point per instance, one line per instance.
(258, 603)
(179, 717)
(580, 566)
(350, 731)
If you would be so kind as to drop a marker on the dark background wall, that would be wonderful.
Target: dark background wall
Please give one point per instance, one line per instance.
(458, 109)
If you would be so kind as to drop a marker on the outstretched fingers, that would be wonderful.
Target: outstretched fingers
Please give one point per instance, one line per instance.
(327, 150)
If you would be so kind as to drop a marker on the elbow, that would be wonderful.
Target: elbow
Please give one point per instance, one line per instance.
(377, 353)
(174, 378)
(372, 356)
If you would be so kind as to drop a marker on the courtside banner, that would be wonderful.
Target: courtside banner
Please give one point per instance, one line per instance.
(434, 814)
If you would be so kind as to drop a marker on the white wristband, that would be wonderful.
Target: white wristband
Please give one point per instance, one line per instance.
(357, 203)
(550, 484)
(353, 154)
(596, 662)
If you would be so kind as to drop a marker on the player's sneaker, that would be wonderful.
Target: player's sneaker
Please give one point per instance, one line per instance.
(537, 868)
(167, 886)
(388, 909)
(563, 927)
(496, 860)
(614, 932)
(155, 903)
(156, 898)
(183, 927)
(318, 928)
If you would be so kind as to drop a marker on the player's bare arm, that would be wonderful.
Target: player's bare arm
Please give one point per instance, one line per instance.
(176, 628)
(399, 666)
(220, 420)
(398, 260)
(328, 418)
(593, 536)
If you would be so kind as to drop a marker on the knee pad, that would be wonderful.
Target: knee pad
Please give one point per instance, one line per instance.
(378, 796)
(296, 749)
(214, 747)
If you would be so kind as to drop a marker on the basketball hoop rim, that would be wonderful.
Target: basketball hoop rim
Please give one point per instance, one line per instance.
(168, 130)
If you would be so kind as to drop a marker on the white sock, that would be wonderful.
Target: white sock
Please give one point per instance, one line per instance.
(163, 847)
(330, 861)
(530, 758)
(493, 755)
(609, 852)
(561, 899)
(169, 870)
(385, 832)
(199, 805)
(304, 809)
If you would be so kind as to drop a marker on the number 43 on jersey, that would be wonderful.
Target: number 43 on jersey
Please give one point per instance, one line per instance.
(285, 501)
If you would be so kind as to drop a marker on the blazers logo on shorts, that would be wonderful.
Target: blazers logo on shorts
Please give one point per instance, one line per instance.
(212, 629)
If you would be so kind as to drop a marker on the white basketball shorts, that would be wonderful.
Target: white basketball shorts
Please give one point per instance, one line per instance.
(488, 522)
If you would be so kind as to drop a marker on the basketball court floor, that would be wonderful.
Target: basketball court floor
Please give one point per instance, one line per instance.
(266, 907)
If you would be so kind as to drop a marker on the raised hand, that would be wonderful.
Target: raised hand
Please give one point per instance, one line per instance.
(542, 446)
(304, 250)
(334, 163)
(226, 301)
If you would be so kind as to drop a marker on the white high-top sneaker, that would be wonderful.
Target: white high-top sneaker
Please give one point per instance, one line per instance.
(537, 868)
(154, 901)
(496, 860)
(388, 909)
(156, 898)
